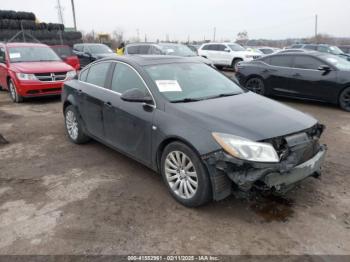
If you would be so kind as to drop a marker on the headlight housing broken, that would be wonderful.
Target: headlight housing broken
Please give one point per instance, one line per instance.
(246, 149)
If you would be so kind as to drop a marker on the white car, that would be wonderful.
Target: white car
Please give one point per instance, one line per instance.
(226, 54)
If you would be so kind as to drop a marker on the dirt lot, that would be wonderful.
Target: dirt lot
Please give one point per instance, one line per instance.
(60, 198)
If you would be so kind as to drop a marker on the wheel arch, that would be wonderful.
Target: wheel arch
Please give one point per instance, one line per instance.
(341, 91)
(167, 141)
(69, 101)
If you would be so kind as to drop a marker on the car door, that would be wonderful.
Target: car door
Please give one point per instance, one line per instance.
(277, 73)
(128, 125)
(3, 67)
(309, 82)
(223, 54)
(92, 95)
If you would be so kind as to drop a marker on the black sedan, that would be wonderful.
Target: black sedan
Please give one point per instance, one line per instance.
(309, 75)
(88, 53)
(187, 121)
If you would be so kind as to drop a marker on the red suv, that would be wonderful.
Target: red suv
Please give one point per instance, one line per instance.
(28, 69)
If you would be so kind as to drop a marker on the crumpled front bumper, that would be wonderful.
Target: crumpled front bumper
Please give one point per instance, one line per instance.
(229, 174)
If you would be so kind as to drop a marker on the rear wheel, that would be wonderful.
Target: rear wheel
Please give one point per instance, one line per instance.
(15, 97)
(256, 85)
(344, 99)
(185, 175)
(73, 125)
(235, 63)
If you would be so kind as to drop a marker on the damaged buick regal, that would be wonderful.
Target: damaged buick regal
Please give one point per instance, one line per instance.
(207, 136)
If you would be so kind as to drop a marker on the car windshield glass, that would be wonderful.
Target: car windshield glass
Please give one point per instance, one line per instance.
(187, 82)
(235, 47)
(177, 50)
(32, 54)
(62, 51)
(99, 49)
(335, 50)
(338, 62)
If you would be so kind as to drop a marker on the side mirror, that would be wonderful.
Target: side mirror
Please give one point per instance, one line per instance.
(325, 68)
(136, 95)
(228, 50)
(87, 54)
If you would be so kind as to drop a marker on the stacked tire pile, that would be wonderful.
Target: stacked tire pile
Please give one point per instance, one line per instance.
(12, 22)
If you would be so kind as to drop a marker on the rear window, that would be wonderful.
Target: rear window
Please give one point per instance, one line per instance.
(132, 49)
(97, 74)
(283, 61)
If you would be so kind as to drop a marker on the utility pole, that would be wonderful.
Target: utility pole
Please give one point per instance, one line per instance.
(74, 19)
(316, 24)
(138, 34)
(60, 12)
(214, 34)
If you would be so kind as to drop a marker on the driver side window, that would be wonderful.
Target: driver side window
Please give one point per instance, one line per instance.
(2, 55)
(125, 78)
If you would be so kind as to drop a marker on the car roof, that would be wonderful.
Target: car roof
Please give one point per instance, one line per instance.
(144, 60)
(89, 44)
(19, 44)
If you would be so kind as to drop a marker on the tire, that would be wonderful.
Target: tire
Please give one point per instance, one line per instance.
(15, 97)
(344, 99)
(256, 85)
(73, 126)
(189, 186)
(235, 62)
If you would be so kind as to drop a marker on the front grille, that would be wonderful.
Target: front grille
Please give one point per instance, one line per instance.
(51, 77)
(302, 152)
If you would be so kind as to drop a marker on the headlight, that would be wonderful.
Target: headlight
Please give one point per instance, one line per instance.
(246, 149)
(71, 74)
(22, 76)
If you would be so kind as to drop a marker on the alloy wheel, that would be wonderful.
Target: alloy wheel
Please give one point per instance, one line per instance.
(345, 99)
(181, 174)
(256, 85)
(13, 92)
(72, 125)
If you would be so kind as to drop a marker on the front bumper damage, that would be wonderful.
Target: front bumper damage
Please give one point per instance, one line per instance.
(231, 175)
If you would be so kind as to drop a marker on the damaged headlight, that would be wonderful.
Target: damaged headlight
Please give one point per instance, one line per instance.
(246, 149)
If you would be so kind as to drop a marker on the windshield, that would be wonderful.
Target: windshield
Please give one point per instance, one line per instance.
(99, 49)
(235, 47)
(191, 81)
(32, 54)
(62, 51)
(338, 62)
(335, 50)
(177, 50)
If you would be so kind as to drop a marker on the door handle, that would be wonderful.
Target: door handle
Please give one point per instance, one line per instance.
(108, 104)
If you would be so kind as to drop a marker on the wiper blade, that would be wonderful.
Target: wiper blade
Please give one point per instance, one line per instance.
(186, 100)
(222, 95)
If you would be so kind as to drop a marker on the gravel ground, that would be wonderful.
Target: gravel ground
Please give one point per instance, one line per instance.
(61, 198)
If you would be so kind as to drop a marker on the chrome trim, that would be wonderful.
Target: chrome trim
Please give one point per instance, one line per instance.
(115, 92)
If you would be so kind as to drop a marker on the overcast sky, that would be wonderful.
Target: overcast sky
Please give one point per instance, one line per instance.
(180, 19)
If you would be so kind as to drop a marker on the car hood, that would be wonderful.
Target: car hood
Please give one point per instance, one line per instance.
(246, 115)
(201, 59)
(250, 53)
(41, 67)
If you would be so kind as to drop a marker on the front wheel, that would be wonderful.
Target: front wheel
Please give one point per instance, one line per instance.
(15, 97)
(185, 175)
(344, 99)
(256, 85)
(235, 63)
(73, 125)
